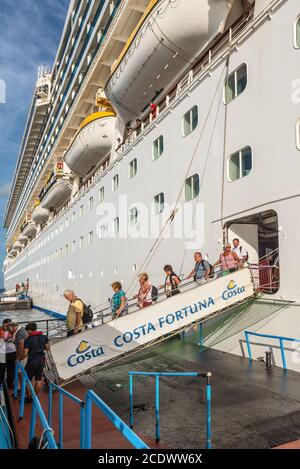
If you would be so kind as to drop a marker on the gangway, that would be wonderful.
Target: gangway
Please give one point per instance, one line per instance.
(107, 341)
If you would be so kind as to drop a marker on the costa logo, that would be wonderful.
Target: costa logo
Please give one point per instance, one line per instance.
(84, 352)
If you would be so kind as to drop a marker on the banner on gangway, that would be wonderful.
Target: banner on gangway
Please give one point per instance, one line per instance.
(100, 344)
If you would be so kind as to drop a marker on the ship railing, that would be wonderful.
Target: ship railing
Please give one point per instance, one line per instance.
(157, 376)
(128, 433)
(281, 340)
(63, 393)
(52, 328)
(47, 440)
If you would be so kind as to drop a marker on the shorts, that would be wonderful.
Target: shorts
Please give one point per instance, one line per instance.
(35, 369)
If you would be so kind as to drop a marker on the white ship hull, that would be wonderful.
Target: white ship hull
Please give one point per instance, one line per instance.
(64, 255)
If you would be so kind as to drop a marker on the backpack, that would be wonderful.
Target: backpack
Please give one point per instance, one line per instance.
(211, 270)
(154, 293)
(88, 313)
(247, 255)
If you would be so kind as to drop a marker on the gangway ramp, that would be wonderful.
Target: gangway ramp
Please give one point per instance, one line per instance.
(100, 345)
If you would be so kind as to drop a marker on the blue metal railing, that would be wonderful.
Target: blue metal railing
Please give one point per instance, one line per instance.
(62, 393)
(130, 436)
(85, 415)
(36, 408)
(281, 339)
(157, 375)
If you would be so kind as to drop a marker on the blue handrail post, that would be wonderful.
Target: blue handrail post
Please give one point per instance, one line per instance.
(22, 397)
(88, 423)
(32, 422)
(157, 408)
(131, 399)
(61, 420)
(50, 404)
(201, 334)
(282, 354)
(16, 383)
(248, 346)
(82, 425)
(208, 412)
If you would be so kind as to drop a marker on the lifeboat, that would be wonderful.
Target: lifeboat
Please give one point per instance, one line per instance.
(39, 214)
(57, 194)
(22, 238)
(166, 42)
(17, 245)
(92, 143)
(29, 229)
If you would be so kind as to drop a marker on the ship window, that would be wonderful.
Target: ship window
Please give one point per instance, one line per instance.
(81, 210)
(297, 33)
(132, 169)
(116, 225)
(158, 203)
(235, 83)
(298, 135)
(240, 164)
(91, 203)
(91, 237)
(158, 147)
(133, 216)
(115, 182)
(81, 241)
(192, 187)
(101, 194)
(190, 121)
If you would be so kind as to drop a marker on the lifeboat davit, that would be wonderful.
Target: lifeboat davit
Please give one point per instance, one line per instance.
(57, 195)
(39, 214)
(92, 143)
(29, 229)
(167, 40)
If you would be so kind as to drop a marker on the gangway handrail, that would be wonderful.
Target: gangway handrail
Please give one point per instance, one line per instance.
(157, 375)
(128, 433)
(62, 392)
(270, 336)
(99, 315)
(36, 408)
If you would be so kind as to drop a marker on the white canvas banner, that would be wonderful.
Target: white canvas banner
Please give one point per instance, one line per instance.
(97, 345)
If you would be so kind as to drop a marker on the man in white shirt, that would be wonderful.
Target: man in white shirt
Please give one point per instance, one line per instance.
(239, 250)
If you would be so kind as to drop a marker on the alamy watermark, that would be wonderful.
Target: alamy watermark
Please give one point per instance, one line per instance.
(2, 92)
(137, 220)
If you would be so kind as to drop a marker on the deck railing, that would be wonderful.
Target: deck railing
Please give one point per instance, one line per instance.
(157, 375)
(36, 410)
(280, 338)
(85, 415)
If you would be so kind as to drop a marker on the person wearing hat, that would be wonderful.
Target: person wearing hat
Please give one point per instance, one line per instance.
(228, 260)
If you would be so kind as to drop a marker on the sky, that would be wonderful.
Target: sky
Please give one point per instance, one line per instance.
(30, 32)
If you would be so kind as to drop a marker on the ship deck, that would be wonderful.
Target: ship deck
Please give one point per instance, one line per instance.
(252, 406)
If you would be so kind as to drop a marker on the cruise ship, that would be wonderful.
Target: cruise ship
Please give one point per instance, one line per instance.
(163, 128)
(166, 128)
